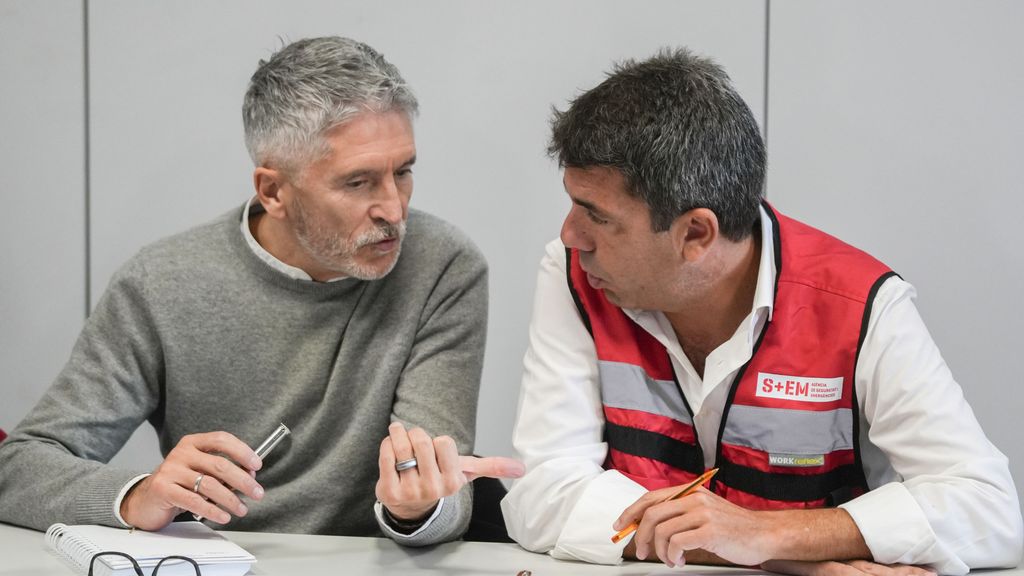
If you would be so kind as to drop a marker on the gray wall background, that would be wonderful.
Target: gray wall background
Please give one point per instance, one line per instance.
(896, 127)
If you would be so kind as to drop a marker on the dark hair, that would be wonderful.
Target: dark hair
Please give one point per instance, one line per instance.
(679, 133)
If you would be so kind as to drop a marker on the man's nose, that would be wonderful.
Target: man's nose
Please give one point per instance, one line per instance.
(390, 206)
(573, 233)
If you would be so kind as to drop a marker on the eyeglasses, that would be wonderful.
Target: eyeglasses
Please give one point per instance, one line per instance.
(138, 569)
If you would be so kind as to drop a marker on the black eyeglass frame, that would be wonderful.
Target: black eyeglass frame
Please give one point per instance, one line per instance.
(135, 564)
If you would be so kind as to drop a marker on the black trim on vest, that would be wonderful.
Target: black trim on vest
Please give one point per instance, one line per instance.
(686, 403)
(575, 295)
(647, 444)
(723, 472)
(789, 487)
(855, 408)
(841, 495)
(777, 243)
(719, 457)
(868, 305)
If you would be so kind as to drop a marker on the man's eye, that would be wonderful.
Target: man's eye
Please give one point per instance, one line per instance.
(404, 172)
(356, 184)
(595, 219)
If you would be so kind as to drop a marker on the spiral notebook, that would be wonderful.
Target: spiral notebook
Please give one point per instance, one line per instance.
(215, 554)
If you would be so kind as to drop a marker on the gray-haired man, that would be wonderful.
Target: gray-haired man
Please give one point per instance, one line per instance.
(293, 308)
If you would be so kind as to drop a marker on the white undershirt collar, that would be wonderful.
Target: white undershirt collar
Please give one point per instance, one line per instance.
(252, 208)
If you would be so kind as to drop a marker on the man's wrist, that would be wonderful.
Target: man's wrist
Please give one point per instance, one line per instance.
(121, 501)
(406, 526)
(811, 535)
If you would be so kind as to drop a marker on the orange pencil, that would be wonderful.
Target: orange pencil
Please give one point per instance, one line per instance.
(688, 489)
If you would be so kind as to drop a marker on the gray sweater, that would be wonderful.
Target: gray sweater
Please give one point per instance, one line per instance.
(196, 333)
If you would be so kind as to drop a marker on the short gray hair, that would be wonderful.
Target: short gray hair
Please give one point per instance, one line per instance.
(679, 133)
(311, 86)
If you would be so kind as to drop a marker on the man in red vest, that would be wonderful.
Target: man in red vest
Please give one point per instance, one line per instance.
(681, 324)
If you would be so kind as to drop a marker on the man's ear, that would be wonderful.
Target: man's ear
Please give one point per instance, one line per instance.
(694, 233)
(272, 191)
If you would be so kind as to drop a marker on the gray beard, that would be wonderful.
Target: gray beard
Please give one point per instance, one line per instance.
(336, 254)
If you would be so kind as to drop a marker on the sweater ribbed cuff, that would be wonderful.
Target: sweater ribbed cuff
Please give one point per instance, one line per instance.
(99, 491)
(449, 522)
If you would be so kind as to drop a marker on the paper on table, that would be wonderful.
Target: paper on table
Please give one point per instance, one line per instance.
(214, 553)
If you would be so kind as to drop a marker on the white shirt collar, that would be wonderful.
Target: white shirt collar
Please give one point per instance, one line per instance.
(764, 293)
(253, 207)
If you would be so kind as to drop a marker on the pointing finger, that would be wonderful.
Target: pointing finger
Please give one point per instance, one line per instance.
(491, 467)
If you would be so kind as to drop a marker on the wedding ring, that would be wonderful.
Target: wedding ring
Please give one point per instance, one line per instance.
(406, 464)
(195, 485)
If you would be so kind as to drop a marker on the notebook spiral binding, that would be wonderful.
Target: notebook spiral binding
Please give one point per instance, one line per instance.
(74, 549)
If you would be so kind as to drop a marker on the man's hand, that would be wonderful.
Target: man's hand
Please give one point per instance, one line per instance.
(691, 557)
(711, 523)
(847, 568)
(155, 501)
(412, 494)
(701, 520)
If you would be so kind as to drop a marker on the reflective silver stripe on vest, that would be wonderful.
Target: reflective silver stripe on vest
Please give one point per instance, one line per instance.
(776, 430)
(628, 386)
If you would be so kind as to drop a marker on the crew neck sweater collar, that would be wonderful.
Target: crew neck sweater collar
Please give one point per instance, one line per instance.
(252, 208)
(278, 275)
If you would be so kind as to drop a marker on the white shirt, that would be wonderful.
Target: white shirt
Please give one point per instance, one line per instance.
(941, 493)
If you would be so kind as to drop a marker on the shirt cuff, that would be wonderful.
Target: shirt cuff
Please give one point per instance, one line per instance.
(378, 510)
(120, 497)
(893, 525)
(587, 535)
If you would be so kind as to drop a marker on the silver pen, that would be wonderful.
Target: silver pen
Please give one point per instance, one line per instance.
(273, 440)
(265, 447)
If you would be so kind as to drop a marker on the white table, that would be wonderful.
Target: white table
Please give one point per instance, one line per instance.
(23, 553)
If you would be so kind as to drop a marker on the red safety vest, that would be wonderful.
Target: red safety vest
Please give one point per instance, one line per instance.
(788, 437)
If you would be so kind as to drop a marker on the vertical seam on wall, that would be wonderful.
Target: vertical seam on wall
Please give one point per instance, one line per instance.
(767, 62)
(87, 159)
(767, 48)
